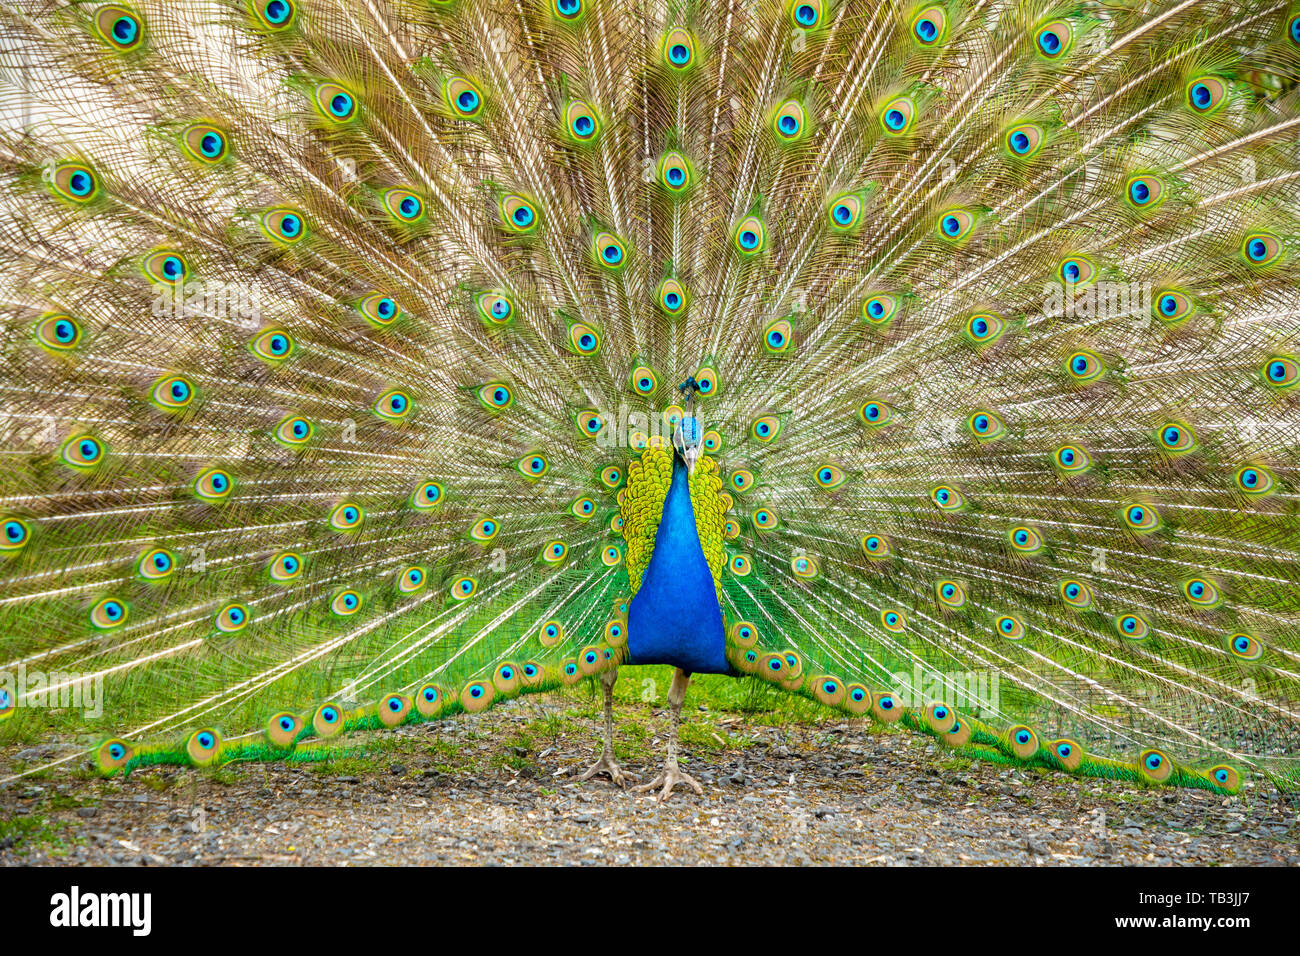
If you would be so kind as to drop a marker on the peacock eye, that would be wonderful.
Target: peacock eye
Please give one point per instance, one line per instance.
(679, 49)
(1053, 40)
(173, 393)
(16, 534)
(956, 225)
(897, 116)
(346, 517)
(121, 28)
(790, 121)
(393, 405)
(404, 205)
(518, 214)
(108, 613)
(284, 225)
(463, 96)
(750, 236)
(930, 26)
(83, 452)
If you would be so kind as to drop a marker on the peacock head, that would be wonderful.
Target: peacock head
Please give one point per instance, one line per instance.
(687, 439)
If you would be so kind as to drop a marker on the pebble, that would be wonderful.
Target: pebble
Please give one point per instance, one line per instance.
(790, 795)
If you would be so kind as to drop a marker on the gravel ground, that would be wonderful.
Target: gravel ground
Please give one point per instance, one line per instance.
(501, 788)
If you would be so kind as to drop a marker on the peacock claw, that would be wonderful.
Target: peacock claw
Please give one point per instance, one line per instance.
(608, 765)
(671, 776)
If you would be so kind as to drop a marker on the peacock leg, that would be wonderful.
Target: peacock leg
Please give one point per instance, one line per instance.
(672, 774)
(607, 763)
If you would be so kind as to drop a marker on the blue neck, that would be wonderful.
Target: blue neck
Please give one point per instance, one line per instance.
(674, 618)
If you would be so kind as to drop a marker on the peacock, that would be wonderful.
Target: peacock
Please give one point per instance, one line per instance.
(370, 362)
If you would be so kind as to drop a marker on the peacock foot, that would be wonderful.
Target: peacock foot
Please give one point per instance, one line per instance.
(672, 776)
(608, 765)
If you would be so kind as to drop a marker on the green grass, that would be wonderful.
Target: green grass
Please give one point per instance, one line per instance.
(31, 830)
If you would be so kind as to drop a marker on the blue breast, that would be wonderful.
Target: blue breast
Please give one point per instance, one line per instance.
(674, 618)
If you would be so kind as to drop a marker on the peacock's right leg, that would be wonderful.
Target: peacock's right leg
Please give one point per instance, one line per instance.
(672, 774)
(607, 764)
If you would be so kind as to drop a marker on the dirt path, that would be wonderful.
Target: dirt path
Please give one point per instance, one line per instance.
(501, 788)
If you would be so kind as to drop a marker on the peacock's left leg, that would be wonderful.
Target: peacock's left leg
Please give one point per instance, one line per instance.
(607, 763)
(672, 775)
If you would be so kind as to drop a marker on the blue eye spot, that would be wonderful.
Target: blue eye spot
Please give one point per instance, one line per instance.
(926, 30)
(1140, 191)
(276, 11)
(806, 14)
(467, 100)
(951, 226)
(1050, 42)
(789, 125)
(523, 215)
(895, 119)
(341, 104)
(125, 29)
(679, 53)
